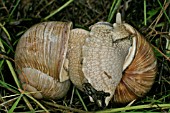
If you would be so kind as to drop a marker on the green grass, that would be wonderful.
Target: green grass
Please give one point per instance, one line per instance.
(148, 17)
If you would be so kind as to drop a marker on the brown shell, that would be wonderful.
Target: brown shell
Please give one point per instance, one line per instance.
(41, 59)
(140, 74)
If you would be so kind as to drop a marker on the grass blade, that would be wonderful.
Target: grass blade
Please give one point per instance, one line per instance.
(81, 100)
(58, 10)
(159, 106)
(145, 22)
(37, 103)
(113, 10)
(164, 10)
(15, 104)
(15, 6)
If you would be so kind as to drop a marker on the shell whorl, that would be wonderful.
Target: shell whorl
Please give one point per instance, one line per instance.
(139, 76)
(40, 59)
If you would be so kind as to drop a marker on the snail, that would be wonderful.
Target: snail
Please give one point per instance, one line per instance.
(108, 63)
(112, 62)
(41, 61)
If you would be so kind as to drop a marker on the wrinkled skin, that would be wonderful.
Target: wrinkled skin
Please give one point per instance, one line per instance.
(101, 57)
(110, 62)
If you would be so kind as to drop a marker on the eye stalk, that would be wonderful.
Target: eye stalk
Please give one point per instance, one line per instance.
(118, 18)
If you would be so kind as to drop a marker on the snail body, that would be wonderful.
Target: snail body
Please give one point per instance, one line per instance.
(116, 63)
(109, 62)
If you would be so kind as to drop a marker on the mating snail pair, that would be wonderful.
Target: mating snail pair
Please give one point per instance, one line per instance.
(109, 62)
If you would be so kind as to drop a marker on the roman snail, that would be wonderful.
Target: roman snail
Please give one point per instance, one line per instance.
(109, 62)
(41, 61)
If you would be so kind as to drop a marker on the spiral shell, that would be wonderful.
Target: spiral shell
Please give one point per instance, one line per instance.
(41, 61)
(140, 73)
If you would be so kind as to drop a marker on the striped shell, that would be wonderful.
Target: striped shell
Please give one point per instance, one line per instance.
(41, 62)
(139, 76)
